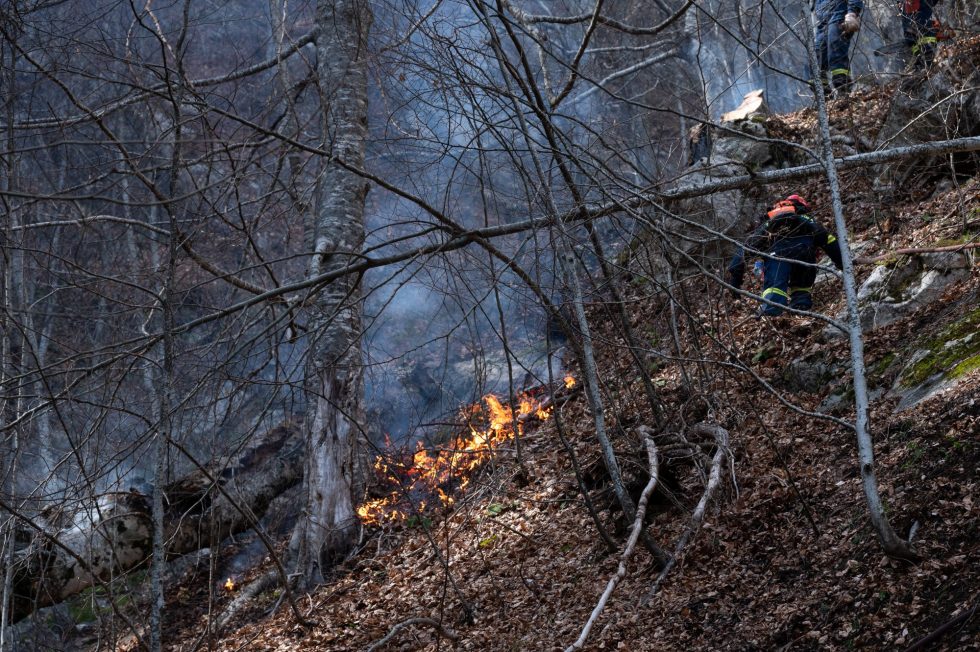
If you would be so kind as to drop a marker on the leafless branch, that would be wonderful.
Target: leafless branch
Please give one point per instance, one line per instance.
(714, 478)
(441, 629)
(641, 510)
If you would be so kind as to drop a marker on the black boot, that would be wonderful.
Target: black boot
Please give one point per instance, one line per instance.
(922, 50)
(828, 90)
(841, 83)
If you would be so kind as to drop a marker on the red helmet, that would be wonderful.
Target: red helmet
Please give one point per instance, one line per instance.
(799, 202)
(792, 205)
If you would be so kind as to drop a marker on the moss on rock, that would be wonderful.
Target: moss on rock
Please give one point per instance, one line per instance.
(878, 370)
(954, 352)
(970, 364)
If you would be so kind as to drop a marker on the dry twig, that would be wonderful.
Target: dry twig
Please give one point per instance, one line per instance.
(714, 478)
(641, 510)
(936, 635)
(435, 624)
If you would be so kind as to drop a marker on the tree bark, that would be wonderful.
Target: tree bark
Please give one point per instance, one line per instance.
(334, 382)
(67, 552)
(891, 543)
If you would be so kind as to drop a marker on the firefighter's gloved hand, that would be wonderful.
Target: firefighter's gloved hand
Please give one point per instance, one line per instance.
(851, 23)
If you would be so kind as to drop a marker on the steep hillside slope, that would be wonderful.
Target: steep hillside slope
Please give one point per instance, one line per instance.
(786, 557)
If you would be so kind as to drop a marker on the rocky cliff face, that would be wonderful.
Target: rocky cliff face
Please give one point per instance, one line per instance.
(737, 47)
(943, 104)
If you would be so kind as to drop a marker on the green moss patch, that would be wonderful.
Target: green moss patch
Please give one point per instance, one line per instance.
(877, 371)
(894, 260)
(966, 238)
(954, 352)
(94, 602)
(970, 364)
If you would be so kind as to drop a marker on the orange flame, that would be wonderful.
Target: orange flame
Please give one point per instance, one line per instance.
(432, 476)
(229, 584)
(569, 382)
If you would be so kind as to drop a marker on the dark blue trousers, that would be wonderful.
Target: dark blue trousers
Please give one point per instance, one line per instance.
(789, 282)
(832, 44)
(919, 33)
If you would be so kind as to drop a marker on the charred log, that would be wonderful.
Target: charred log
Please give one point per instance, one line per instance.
(65, 552)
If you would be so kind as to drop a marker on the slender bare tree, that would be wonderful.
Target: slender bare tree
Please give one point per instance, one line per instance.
(334, 471)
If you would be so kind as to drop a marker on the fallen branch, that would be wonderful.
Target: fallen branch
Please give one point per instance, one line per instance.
(110, 534)
(435, 624)
(714, 478)
(869, 260)
(934, 636)
(641, 510)
(246, 595)
(969, 144)
(645, 198)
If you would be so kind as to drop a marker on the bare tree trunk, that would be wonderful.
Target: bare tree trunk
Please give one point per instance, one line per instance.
(290, 122)
(9, 453)
(591, 373)
(334, 470)
(11, 449)
(890, 542)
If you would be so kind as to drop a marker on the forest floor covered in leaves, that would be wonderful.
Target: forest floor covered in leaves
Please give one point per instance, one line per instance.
(786, 557)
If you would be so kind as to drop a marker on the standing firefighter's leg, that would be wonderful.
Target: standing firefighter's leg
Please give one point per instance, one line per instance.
(776, 284)
(839, 43)
(801, 277)
(920, 35)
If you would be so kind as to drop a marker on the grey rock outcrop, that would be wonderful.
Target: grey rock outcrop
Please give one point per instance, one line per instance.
(807, 375)
(936, 361)
(942, 104)
(893, 292)
(739, 145)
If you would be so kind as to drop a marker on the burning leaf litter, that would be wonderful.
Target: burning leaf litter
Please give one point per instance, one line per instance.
(432, 477)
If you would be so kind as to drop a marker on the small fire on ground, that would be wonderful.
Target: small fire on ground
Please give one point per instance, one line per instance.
(426, 478)
(229, 585)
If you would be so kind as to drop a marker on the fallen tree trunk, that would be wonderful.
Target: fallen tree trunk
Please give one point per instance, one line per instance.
(908, 251)
(67, 551)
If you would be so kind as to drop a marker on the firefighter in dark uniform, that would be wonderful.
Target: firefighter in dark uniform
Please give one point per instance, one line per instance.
(789, 238)
(837, 22)
(919, 30)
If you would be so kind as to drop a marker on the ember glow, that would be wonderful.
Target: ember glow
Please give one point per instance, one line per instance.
(229, 585)
(569, 382)
(430, 477)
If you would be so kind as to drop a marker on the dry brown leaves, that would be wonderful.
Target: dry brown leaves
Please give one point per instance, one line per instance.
(525, 564)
